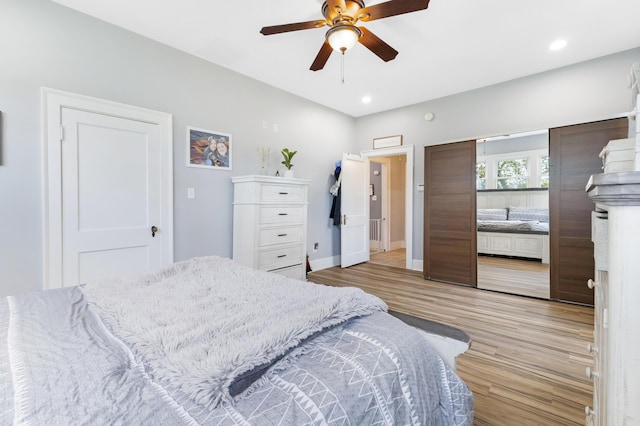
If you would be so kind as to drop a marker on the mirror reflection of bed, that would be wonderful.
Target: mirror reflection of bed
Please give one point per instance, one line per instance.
(512, 180)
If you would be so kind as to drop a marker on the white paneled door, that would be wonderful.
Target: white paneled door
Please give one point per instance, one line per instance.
(113, 192)
(354, 228)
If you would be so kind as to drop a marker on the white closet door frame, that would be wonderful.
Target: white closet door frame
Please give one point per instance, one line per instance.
(52, 103)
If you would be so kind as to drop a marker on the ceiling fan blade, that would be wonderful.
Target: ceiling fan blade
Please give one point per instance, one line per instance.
(322, 57)
(391, 8)
(277, 29)
(376, 45)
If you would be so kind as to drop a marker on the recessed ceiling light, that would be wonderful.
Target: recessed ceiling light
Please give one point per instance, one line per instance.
(366, 99)
(558, 44)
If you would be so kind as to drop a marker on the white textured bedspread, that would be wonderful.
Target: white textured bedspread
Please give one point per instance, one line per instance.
(64, 368)
(200, 324)
(62, 363)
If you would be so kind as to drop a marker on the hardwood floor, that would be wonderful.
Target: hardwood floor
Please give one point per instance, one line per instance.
(526, 364)
(395, 258)
(515, 276)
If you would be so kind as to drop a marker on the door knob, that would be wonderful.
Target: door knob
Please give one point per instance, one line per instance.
(154, 229)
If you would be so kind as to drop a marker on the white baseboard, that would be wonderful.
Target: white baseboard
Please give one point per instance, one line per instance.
(417, 265)
(395, 245)
(330, 262)
(324, 263)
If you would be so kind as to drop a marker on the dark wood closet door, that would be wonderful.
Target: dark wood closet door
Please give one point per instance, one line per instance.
(450, 252)
(573, 158)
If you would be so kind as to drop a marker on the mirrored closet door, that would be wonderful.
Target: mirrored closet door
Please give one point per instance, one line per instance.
(512, 182)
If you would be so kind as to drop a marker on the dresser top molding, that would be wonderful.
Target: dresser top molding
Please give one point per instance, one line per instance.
(615, 189)
(270, 179)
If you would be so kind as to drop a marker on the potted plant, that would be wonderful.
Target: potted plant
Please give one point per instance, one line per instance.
(288, 156)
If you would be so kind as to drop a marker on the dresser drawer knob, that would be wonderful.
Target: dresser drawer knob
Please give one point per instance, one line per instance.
(591, 348)
(281, 256)
(591, 284)
(283, 193)
(283, 214)
(592, 374)
(282, 235)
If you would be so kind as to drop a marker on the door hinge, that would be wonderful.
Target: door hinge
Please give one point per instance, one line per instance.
(61, 133)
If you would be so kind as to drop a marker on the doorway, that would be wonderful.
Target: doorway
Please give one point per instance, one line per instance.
(387, 225)
(395, 197)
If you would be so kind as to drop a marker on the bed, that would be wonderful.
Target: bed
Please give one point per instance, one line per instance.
(208, 341)
(515, 231)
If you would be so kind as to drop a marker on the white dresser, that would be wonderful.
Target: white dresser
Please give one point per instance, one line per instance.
(270, 223)
(616, 283)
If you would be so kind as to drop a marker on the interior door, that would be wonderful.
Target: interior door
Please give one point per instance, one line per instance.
(354, 228)
(450, 245)
(573, 158)
(111, 196)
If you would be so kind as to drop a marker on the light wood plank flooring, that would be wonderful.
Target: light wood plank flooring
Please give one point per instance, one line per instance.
(516, 276)
(395, 258)
(526, 364)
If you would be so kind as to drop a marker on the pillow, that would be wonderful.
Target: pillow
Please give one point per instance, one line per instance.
(492, 214)
(529, 214)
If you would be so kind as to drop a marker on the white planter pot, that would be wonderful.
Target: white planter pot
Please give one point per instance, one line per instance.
(288, 173)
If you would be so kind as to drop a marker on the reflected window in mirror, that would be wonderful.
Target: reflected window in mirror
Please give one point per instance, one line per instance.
(481, 175)
(512, 173)
(515, 170)
(513, 162)
(544, 171)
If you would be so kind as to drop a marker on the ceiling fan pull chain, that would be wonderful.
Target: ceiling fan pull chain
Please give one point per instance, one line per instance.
(342, 67)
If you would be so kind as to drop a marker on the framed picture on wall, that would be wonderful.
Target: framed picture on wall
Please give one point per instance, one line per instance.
(208, 149)
(387, 142)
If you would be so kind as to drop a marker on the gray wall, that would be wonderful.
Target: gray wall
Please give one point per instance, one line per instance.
(580, 93)
(397, 186)
(375, 207)
(513, 144)
(44, 44)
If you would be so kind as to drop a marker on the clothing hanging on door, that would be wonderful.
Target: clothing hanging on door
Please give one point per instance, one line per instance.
(336, 192)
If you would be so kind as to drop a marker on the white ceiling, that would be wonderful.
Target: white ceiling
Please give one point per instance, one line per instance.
(452, 47)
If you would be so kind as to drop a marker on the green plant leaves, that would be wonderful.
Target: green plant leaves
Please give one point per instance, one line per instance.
(288, 155)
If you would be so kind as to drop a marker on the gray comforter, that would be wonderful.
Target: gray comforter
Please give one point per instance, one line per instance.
(60, 365)
(514, 226)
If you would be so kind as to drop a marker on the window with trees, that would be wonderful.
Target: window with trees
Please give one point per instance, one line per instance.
(514, 170)
(544, 171)
(481, 175)
(512, 174)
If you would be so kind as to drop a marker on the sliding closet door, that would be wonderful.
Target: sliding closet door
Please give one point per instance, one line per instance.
(450, 252)
(573, 158)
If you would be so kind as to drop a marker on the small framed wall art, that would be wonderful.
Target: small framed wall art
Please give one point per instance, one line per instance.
(387, 142)
(208, 149)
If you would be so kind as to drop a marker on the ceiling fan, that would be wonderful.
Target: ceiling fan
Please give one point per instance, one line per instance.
(342, 16)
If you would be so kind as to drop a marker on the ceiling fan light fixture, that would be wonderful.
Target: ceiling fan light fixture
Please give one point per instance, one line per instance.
(343, 37)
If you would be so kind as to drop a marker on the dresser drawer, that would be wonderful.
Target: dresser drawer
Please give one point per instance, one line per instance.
(600, 238)
(279, 258)
(297, 272)
(282, 193)
(280, 235)
(281, 214)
